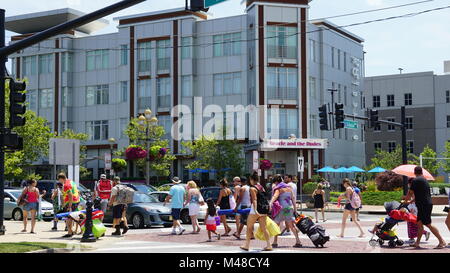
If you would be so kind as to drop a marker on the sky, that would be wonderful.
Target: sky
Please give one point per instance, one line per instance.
(416, 44)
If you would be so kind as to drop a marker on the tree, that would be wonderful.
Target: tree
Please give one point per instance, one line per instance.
(430, 165)
(137, 136)
(224, 156)
(446, 154)
(387, 160)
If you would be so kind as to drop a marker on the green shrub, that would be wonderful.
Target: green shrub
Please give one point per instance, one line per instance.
(371, 185)
(309, 187)
(441, 186)
(317, 178)
(379, 197)
(164, 188)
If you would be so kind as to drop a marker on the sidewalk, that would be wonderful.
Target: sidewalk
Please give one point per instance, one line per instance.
(44, 234)
(366, 209)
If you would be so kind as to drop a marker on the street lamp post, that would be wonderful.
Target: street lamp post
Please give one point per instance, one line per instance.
(146, 121)
(111, 141)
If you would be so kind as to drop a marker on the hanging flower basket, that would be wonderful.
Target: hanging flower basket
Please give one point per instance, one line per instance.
(154, 151)
(162, 152)
(265, 164)
(119, 164)
(134, 152)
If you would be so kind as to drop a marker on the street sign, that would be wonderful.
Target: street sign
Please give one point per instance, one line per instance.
(108, 161)
(64, 151)
(255, 160)
(301, 164)
(209, 3)
(350, 124)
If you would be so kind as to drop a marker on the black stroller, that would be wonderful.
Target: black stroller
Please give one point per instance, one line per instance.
(384, 231)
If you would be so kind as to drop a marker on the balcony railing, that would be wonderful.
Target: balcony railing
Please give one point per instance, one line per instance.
(285, 52)
(282, 93)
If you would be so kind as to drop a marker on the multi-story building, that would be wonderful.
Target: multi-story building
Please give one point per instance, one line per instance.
(426, 97)
(269, 56)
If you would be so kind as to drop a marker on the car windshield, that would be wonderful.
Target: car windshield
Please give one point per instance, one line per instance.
(144, 188)
(16, 194)
(81, 187)
(144, 198)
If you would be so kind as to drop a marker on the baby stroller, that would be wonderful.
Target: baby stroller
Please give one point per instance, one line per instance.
(384, 231)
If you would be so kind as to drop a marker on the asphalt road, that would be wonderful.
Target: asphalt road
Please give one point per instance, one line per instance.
(159, 240)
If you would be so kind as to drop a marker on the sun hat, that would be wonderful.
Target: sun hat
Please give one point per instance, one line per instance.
(176, 180)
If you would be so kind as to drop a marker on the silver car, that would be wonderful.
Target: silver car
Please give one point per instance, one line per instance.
(13, 211)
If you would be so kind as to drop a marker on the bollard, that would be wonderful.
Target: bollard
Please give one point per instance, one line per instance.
(88, 236)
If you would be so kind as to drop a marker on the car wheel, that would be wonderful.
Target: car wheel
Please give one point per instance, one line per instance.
(184, 217)
(137, 220)
(17, 214)
(47, 220)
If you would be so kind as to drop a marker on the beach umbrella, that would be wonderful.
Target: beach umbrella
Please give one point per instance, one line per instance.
(377, 170)
(326, 169)
(343, 170)
(356, 169)
(408, 170)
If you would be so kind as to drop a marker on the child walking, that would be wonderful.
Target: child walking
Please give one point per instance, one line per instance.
(210, 222)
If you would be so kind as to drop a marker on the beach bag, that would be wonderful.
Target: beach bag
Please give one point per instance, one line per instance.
(22, 201)
(355, 200)
(124, 195)
(262, 204)
(98, 229)
(232, 202)
(217, 219)
(272, 228)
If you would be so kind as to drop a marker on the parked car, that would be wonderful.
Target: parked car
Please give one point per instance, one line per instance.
(212, 192)
(145, 211)
(171, 184)
(13, 211)
(49, 185)
(184, 215)
(140, 187)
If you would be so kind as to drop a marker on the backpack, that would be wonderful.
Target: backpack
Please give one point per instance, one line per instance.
(124, 195)
(355, 200)
(262, 204)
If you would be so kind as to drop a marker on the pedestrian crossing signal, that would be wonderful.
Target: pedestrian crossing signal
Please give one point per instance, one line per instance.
(323, 115)
(339, 115)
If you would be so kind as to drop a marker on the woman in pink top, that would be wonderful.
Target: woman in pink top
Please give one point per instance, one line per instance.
(31, 195)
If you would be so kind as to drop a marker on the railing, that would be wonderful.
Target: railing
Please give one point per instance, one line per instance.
(282, 93)
(287, 52)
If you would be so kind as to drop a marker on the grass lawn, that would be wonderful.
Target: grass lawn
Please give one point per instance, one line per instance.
(28, 246)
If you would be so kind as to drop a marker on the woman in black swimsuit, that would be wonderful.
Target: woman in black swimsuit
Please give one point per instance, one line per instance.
(319, 201)
(224, 203)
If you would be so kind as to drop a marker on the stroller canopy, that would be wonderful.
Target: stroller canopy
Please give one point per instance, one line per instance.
(389, 206)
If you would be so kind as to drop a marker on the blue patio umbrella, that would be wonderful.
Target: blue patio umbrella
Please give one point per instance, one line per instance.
(377, 170)
(356, 169)
(343, 170)
(327, 169)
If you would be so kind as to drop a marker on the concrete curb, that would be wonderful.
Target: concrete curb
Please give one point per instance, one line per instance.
(52, 250)
(376, 212)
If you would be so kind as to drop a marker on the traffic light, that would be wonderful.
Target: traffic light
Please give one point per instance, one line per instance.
(339, 115)
(323, 115)
(16, 103)
(13, 142)
(373, 118)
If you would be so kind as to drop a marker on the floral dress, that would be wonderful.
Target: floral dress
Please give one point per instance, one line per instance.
(287, 208)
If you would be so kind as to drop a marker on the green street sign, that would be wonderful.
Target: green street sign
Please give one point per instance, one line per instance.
(209, 3)
(350, 124)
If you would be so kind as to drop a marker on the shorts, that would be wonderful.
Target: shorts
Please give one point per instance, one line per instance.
(118, 211)
(30, 206)
(74, 207)
(176, 214)
(104, 205)
(348, 206)
(424, 213)
(211, 227)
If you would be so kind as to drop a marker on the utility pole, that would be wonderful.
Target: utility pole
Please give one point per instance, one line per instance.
(5, 51)
(404, 148)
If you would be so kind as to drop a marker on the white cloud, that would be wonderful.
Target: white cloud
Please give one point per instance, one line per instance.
(374, 2)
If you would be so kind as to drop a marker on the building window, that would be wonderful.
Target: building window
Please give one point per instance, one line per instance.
(123, 127)
(313, 125)
(448, 121)
(98, 94)
(288, 123)
(376, 101)
(391, 127)
(447, 96)
(166, 123)
(186, 47)
(312, 87)
(164, 89)
(123, 54)
(312, 50)
(144, 94)
(282, 83)
(227, 84)
(345, 61)
(97, 130)
(29, 66)
(227, 44)
(186, 86)
(66, 125)
(408, 99)
(390, 100)
(377, 146)
(32, 100)
(410, 146)
(409, 123)
(391, 146)
(377, 128)
(97, 59)
(67, 62)
(144, 57)
(345, 95)
(282, 42)
(66, 97)
(339, 59)
(163, 55)
(45, 98)
(45, 64)
(123, 91)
